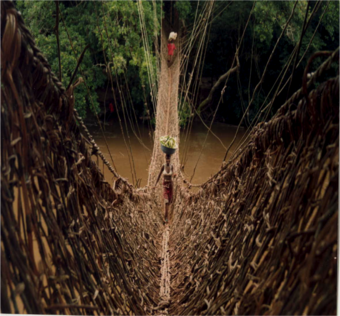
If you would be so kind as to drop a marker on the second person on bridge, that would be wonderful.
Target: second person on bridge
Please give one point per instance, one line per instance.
(171, 49)
(167, 170)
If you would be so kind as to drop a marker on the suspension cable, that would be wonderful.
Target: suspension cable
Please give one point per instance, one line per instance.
(88, 92)
(269, 105)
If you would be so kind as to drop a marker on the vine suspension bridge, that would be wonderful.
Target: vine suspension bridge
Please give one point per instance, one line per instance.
(259, 237)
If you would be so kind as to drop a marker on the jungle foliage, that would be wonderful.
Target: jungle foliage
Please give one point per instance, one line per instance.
(265, 27)
(113, 31)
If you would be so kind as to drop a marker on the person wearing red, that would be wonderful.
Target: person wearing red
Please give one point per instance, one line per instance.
(168, 175)
(111, 107)
(171, 49)
(111, 110)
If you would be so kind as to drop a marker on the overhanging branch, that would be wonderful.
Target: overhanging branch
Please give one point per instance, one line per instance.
(205, 103)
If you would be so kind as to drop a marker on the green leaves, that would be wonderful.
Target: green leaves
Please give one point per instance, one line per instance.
(184, 113)
(184, 8)
(113, 31)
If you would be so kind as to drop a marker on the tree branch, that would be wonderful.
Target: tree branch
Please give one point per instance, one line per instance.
(205, 103)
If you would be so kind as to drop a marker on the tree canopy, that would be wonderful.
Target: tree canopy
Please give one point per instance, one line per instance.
(113, 32)
(264, 28)
(123, 37)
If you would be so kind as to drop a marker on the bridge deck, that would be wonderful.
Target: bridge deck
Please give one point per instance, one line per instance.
(260, 237)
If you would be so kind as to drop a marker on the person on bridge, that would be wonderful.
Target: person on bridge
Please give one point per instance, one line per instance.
(171, 49)
(167, 170)
(111, 108)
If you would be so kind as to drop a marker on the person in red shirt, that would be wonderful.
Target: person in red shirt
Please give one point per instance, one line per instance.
(171, 49)
(111, 110)
(168, 175)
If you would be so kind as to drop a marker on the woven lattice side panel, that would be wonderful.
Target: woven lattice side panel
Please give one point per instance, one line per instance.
(69, 239)
(261, 238)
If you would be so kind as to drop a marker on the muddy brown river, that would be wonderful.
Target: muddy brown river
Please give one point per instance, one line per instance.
(209, 163)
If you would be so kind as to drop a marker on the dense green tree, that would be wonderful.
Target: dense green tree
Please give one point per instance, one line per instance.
(117, 36)
(112, 29)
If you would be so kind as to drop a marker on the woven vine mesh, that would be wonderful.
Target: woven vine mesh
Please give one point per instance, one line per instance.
(262, 237)
(71, 242)
(259, 238)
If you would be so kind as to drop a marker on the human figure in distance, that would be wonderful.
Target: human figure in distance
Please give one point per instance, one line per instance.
(171, 49)
(111, 110)
(167, 170)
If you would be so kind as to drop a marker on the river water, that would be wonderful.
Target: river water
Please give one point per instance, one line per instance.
(209, 162)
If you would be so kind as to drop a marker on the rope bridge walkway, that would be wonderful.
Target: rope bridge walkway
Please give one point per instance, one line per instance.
(259, 237)
(166, 124)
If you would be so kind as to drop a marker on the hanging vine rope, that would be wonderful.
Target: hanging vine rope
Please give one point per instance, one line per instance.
(90, 97)
(225, 85)
(278, 91)
(129, 152)
(200, 51)
(262, 233)
(150, 69)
